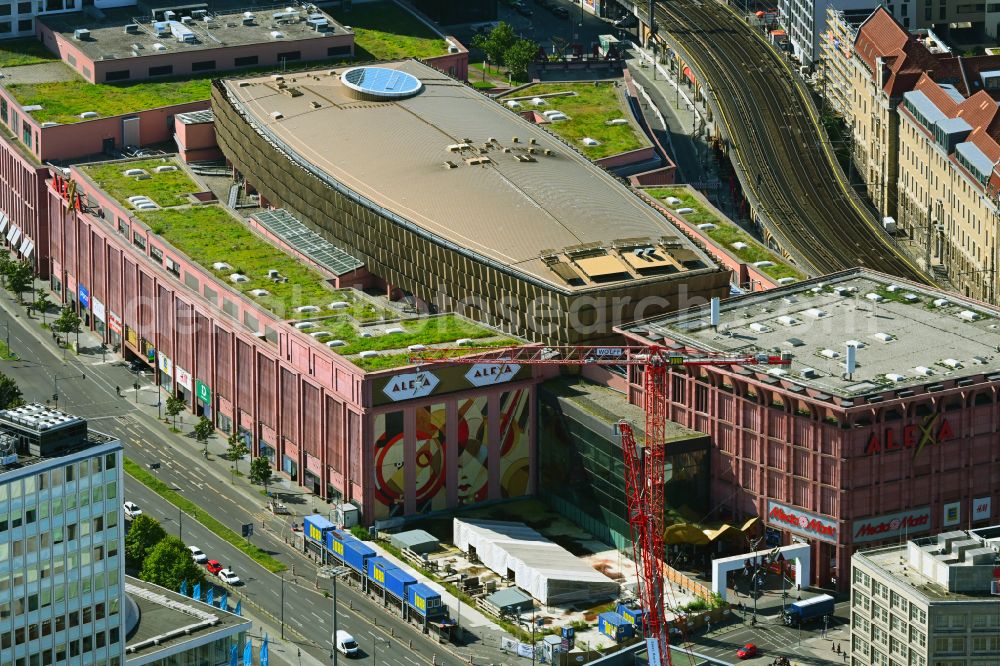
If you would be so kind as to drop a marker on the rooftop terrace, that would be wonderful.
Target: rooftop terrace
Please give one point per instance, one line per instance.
(907, 335)
(121, 34)
(348, 321)
(589, 108)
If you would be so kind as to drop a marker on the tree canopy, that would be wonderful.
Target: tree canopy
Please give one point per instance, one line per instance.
(169, 563)
(143, 535)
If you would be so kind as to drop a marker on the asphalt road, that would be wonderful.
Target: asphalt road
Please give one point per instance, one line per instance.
(41, 370)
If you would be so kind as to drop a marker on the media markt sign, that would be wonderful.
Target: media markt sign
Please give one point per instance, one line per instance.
(905, 523)
(488, 374)
(801, 522)
(202, 391)
(410, 385)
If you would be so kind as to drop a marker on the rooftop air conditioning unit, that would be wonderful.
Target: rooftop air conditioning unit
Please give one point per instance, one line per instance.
(168, 15)
(81, 34)
(89, 114)
(273, 273)
(159, 47)
(187, 20)
(277, 35)
(132, 28)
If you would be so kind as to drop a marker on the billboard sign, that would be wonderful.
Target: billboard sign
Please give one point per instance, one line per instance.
(84, 298)
(202, 391)
(981, 509)
(801, 522)
(952, 514)
(488, 374)
(410, 385)
(891, 525)
(183, 377)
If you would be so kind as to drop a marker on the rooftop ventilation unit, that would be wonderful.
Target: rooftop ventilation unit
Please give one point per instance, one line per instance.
(303, 325)
(132, 28)
(777, 372)
(895, 377)
(855, 343)
(368, 353)
(187, 20)
(221, 266)
(941, 302)
(134, 172)
(238, 278)
(277, 115)
(809, 373)
(166, 168)
(81, 34)
(786, 281)
(335, 343)
(786, 320)
(395, 329)
(969, 315)
(157, 46)
(89, 114)
(307, 308)
(951, 363)
(277, 35)
(873, 297)
(830, 353)
(463, 342)
(922, 371)
(705, 226)
(248, 18)
(815, 313)
(259, 292)
(757, 327)
(338, 305)
(319, 334)
(884, 337)
(910, 298)
(416, 348)
(893, 288)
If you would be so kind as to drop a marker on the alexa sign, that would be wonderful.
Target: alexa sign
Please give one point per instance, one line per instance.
(933, 430)
(801, 522)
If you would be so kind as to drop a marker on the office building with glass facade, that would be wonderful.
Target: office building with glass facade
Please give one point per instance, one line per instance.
(61, 541)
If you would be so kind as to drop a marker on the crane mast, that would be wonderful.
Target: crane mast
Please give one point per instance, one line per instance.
(645, 466)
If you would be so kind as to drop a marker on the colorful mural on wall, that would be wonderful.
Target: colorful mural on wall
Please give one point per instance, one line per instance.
(515, 438)
(388, 468)
(431, 458)
(473, 451)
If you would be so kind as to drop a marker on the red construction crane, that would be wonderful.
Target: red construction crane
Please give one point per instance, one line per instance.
(645, 465)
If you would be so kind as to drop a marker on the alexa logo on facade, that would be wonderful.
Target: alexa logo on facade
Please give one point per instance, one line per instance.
(934, 430)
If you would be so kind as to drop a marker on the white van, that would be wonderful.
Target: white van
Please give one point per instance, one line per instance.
(346, 644)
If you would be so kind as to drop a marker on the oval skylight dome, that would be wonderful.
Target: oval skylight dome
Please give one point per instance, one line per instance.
(380, 83)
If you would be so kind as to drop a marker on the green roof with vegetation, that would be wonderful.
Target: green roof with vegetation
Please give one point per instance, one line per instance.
(28, 51)
(209, 234)
(166, 189)
(590, 109)
(64, 101)
(385, 31)
(726, 233)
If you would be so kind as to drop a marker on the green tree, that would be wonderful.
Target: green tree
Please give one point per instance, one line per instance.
(168, 563)
(143, 535)
(6, 265)
(10, 393)
(260, 471)
(496, 42)
(68, 321)
(203, 429)
(20, 277)
(42, 303)
(237, 449)
(175, 406)
(518, 57)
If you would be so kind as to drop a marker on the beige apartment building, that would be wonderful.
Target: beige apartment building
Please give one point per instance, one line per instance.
(927, 602)
(948, 152)
(837, 51)
(925, 130)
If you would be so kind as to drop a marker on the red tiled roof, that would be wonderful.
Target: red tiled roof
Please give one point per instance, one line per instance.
(880, 35)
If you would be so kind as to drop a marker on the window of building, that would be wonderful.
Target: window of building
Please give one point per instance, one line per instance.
(26, 25)
(203, 66)
(290, 55)
(245, 61)
(117, 75)
(26, 135)
(156, 253)
(161, 70)
(138, 240)
(3, 110)
(339, 51)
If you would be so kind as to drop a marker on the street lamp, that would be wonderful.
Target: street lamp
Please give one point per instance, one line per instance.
(375, 642)
(333, 573)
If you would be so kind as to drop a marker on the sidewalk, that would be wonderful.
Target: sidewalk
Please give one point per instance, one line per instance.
(484, 634)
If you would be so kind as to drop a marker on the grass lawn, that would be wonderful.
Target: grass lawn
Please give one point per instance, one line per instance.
(5, 353)
(427, 331)
(17, 52)
(166, 189)
(208, 234)
(385, 31)
(589, 110)
(727, 233)
(387, 361)
(64, 101)
(360, 308)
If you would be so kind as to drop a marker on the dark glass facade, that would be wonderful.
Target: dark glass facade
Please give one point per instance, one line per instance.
(581, 468)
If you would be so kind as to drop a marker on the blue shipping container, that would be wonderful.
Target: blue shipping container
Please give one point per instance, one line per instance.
(377, 566)
(315, 527)
(613, 625)
(352, 552)
(633, 615)
(424, 600)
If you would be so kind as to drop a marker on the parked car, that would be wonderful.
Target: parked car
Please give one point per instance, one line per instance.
(747, 651)
(198, 556)
(561, 12)
(213, 566)
(132, 510)
(346, 644)
(229, 577)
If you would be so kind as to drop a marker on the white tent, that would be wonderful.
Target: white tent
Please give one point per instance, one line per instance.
(544, 569)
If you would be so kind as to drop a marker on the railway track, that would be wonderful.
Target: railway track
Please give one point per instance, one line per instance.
(775, 135)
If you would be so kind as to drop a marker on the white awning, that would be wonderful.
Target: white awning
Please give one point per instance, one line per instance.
(25, 243)
(31, 248)
(3, 221)
(10, 232)
(16, 237)
(544, 569)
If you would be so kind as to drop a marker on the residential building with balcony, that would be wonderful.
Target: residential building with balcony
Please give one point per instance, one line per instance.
(837, 50)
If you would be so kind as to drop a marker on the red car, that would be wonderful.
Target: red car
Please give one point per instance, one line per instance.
(213, 566)
(747, 651)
